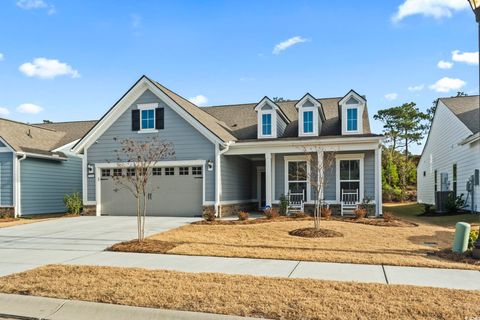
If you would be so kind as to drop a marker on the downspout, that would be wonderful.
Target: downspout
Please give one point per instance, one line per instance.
(18, 207)
(218, 176)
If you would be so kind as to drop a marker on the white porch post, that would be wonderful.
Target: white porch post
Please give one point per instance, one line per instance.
(268, 179)
(378, 180)
(218, 181)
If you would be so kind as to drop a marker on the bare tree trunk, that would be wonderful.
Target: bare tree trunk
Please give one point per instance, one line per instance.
(139, 222)
(144, 215)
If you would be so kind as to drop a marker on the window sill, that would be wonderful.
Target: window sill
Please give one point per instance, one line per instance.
(147, 131)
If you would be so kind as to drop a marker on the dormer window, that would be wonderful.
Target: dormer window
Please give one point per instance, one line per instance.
(352, 106)
(310, 116)
(308, 121)
(352, 119)
(271, 121)
(267, 124)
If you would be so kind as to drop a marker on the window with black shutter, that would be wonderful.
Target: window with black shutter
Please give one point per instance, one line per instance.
(135, 120)
(159, 118)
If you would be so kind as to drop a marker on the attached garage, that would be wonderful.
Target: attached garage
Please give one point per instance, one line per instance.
(172, 191)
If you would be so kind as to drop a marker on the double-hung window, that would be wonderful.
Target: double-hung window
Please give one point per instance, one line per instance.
(307, 121)
(148, 119)
(297, 177)
(266, 124)
(350, 175)
(352, 119)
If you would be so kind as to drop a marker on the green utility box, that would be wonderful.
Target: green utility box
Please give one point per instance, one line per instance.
(462, 232)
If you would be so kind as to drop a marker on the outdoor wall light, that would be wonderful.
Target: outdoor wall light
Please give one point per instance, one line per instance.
(210, 165)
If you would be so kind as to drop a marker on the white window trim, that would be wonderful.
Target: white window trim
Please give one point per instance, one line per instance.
(338, 158)
(273, 133)
(301, 132)
(288, 159)
(147, 106)
(348, 107)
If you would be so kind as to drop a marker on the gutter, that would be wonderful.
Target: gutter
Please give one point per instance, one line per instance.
(343, 140)
(470, 139)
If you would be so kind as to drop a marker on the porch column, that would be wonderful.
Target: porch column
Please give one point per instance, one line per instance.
(378, 180)
(320, 167)
(268, 179)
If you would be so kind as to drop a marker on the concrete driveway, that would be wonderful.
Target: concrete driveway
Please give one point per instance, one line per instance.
(61, 240)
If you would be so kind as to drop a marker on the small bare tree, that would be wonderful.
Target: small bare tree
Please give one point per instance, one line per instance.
(318, 176)
(136, 159)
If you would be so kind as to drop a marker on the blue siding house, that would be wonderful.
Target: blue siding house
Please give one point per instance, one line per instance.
(234, 157)
(37, 167)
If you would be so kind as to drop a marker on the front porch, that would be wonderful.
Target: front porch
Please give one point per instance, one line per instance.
(253, 180)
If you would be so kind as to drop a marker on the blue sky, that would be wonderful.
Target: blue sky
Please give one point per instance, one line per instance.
(71, 60)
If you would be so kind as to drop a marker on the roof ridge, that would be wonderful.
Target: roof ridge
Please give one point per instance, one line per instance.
(28, 124)
(73, 121)
(255, 103)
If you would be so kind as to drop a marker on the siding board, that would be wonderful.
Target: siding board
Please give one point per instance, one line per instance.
(6, 179)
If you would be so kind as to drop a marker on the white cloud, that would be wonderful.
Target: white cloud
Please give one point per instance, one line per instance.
(2, 57)
(391, 96)
(47, 69)
(287, 44)
(444, 64)
(429, 8)
(467, 57)
(36, 4)
(29, 108)
(4, 112)
(199, 100)
(446, 84)
(416, 88)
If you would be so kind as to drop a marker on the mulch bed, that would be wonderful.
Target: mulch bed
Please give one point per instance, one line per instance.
(146, 246)
(465, 257)
(378, 222)
(8, 219)
(314, 233)
(250, 221)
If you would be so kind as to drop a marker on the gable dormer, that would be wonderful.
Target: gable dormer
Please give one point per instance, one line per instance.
(310, 116)
(271, 121)
(352, 106)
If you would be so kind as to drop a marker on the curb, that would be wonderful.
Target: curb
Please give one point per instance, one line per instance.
(41, 308)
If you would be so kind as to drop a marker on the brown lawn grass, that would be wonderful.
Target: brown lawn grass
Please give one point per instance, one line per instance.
(11, 222)
(361, 243)
(273, 298)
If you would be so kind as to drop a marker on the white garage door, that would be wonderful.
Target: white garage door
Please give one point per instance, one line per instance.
(172, 191)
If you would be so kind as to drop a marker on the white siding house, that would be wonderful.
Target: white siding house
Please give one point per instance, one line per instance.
(453, 143)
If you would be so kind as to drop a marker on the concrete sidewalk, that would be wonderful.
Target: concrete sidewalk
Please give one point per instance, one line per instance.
(33, 308)
(431, 277)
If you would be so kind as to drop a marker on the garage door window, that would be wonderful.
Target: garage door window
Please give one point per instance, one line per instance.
(130, 172)
(157, 171)
(169, 171)
(184, 171)
(117, 172)
(197, 171)
(105, 172)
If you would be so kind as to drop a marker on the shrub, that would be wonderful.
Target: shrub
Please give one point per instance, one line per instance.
(472, 238)
(209, 215)
(300, 215)
(427, 208)
(325, 212)
(271, 213)
(243, 215)
(453, 204)
(388, 216)
(283, 205)
(73, 202)
(360, 213)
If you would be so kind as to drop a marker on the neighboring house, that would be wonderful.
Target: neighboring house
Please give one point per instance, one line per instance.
(231, 157)
(37, 167)
(452, 152)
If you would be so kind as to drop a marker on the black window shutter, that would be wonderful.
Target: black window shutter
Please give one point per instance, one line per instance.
(135, 120)
(159, 118)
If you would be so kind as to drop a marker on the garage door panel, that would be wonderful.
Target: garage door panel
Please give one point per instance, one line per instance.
(172, 195)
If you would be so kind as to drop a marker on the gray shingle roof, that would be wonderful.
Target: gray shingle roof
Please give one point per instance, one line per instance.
(242, 118)
(42, 138)
(466, 109)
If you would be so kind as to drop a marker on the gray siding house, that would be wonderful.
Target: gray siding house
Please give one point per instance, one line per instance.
(233, 157)
(37, 167)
